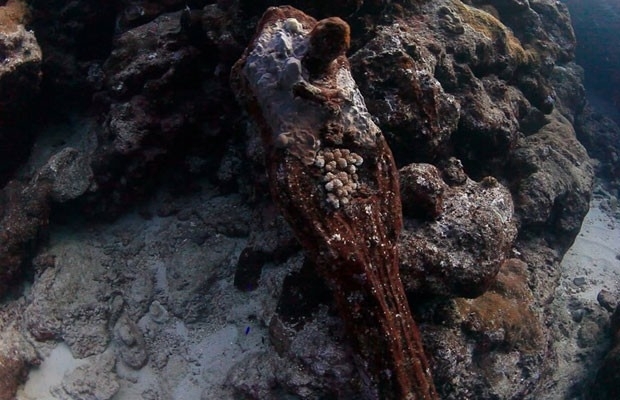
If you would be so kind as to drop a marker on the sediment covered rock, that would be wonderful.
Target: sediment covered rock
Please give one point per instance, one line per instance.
(459, 252)
(489, 347)
(606, 384)
(17, 356)
(552, 183)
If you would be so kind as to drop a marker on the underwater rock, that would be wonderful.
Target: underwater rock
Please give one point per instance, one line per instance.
(20, 67)
(98, 381)
(56, 313)
(152, 109)
(70, 174)
(422, 191)
(403, 91)
(24, 213)
(20, 78)
(130, 342)
(16, 358)
(271, 240)
(498, 337)
(601, 136)
(553, 180)
(458, 253)
(606, 384)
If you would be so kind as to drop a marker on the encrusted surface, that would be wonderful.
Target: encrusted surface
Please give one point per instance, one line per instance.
(459, 251)
(334, 178)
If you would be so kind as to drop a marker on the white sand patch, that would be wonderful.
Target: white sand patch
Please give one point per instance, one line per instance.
(592, 263)
(588, 267)
(49, 374)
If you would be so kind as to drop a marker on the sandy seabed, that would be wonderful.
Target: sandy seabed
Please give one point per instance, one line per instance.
(198, 356)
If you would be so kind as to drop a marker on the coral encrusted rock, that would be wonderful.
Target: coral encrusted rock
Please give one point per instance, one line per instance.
(334, 179)
(20, 69)
(459, 252)
(20, 75)
(606, 385)
(24, 212)
(16, 357)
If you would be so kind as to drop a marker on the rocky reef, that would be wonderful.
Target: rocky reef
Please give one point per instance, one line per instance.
(374, 204)
(605, 385)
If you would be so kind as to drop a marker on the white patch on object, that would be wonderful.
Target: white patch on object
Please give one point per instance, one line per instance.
(293, 26)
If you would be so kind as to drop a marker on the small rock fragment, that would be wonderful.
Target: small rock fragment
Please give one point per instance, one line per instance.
(579, 281)
(607, 300)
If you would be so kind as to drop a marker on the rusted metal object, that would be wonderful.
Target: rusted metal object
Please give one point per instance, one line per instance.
(333, 177)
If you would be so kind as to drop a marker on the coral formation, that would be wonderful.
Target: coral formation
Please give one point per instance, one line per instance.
(339, 168)
(488, 25)
(20, 77)
(13, 14)
(455, 242)
(499, 336)
(505, 309)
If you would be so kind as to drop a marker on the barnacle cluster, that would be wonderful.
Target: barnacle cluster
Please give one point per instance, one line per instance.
(339, 167)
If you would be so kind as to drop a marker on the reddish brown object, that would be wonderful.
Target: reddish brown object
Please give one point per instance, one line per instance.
(333, 176)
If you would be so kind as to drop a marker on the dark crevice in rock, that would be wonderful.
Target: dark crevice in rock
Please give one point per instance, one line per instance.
(303, 292)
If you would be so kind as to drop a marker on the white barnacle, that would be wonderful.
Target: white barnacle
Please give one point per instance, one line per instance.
(344, 200)
(336, 236)
(337, 154)
(333, 200)
(338, 183)
(329, 186)
(351, 169)
(329, 156)
(342, 163)
(319, 161)
(329, 176)
(293, 26)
